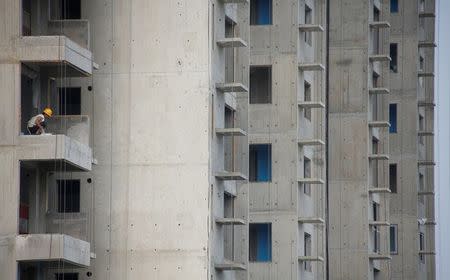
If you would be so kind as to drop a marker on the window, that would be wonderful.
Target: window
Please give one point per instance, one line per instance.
(260, 84)
(308, 20)
(228, 147)
(307, 248)
(229, 52)
(66, 276)
(421, 246)
(374, 145)
(422, 6)
(70, 9)
(376, 14)
(70, 101)
(421, 188)
(260, 242)
(261, 12)
(393, 239)
(260, 163)
(421, 63)
(394, 6)
(393, 54)
(68, 196)
(228, 236)
(376, 231)
(307, 174)
(421, 128)
(393, 118)
(393, 178)
(307, 97)
(375, 211)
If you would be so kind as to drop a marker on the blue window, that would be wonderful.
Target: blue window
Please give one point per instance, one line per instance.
(393, 118)
(261, 12)
(260, 163)
(260, 242)
(394, 6)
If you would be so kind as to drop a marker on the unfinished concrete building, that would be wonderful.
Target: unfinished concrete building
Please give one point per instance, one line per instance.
(411, 113)
(286, 135)
(141, 173)
(220, 139)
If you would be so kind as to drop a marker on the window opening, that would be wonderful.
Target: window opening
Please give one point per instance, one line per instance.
(393, 178)
(260, 84)
(393, 239)
(68, 196)
(393, 50)
(260, 163)
(260, 242)
(70, 101)
(260, 12)
(393, 118)
(308, 20)
(394, 6)
(307, 174)
(307, 93)
(308, 250)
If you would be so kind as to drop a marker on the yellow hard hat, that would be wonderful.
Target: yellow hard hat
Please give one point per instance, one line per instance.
(48, 112)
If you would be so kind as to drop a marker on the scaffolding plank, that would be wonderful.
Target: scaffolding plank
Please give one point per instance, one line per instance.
(380, 24)
(228, 265)
(311, 104)
(231, 176)
(379, 223)
(379, 57)
(379, 124)
(425, 193)
(379, 156)
(427, 44)
(311, 220)
(231, 87)
(231, 43)
(311, 67)
(379, 190)
(310, 259)
(312, 181)
(311, 142)
(234, 131)
(230, 221)
(425, 133)
(310, 27)
(426, 163)
(379, 91)
(425, 74)
(427, 15)
(379, 257)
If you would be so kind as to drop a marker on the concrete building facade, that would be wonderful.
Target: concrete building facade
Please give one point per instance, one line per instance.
(220, 139)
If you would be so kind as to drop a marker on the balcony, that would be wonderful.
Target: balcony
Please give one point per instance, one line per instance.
(50, 52)
(379, 124)
(379, 91)
(311, 105)
(379, 190)
(379, 57)
(427, 15)
(378, 256)
(425, 74)
(230, 221)
(427, 44)
(310, 259)
(230, 132)
(311, 181)
(52, 248)
(378, 157)
(311, 220)
(230, 176)
(311, 142)
(231, 87)
(66, 141)
(229, 265)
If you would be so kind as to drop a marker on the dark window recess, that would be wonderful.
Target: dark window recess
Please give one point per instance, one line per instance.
(393, 178)
(261, 12)
(68, 196)
(394, 6)
(308, 20)
(307, 250)
(307, 93)
(66, 276)
(393, 51)
(260, 84)
(307, 174)
(70, 9)
(260, 163)
(376, 14)
(260, 242)
(393, 118)
(70, 101)
(421, 246)
(393, 239)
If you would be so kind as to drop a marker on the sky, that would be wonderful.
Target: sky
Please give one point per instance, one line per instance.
(442, 139)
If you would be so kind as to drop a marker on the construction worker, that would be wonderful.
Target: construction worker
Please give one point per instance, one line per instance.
(37, 124)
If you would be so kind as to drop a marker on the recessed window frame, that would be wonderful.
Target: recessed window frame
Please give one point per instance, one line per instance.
(255, 151)
(254, 242)
(256, 17)
(260, 84)
(393, 239)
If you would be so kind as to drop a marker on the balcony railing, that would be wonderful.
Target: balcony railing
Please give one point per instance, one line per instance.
(76, 30)
(74, 126)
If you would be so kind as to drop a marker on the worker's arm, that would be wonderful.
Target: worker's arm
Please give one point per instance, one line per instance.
(39, 121)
